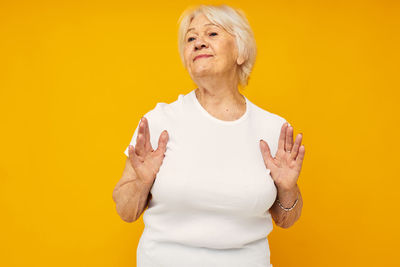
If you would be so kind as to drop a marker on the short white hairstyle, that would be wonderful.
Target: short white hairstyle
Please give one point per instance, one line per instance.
(233, 21)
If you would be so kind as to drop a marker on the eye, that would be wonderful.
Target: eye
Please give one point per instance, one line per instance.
(213, 33)
(190, 39)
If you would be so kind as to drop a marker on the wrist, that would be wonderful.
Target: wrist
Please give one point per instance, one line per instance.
(144, 185)
(287, 198)
(287, 208)
(287, 190)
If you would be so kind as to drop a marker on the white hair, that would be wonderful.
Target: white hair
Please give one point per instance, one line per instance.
(231, 20)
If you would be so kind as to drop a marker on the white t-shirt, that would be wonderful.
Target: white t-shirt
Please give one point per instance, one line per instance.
(211, 197)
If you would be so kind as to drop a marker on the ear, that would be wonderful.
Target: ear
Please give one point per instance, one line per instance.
(240, 60)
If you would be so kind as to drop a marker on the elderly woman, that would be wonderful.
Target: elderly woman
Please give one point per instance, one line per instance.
(212, 168)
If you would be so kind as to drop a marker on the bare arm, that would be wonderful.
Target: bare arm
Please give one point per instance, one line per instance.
(285, 169)
(131, 195)
(283, 218)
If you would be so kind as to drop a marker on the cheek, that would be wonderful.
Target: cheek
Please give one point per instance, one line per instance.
(232, 49)
(186, 53)
(228, 49)
(186, 59)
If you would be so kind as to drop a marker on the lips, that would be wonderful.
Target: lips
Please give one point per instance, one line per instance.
(200, 56)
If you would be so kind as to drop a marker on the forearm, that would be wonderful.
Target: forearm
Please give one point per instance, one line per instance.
(283, 218)
(131, 199)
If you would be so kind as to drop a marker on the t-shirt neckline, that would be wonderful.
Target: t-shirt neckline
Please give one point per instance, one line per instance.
(205, 112)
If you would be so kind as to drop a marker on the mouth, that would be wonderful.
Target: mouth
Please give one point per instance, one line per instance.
(201, 56)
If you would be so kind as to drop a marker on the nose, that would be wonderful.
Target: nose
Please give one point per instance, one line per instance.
(199, 43)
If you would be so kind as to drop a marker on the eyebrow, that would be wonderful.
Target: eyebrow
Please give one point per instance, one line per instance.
(203, 25)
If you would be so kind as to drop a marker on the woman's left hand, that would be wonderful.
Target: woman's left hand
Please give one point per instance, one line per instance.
(286, 166)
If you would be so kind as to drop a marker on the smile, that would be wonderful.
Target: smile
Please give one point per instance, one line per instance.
(202, 56)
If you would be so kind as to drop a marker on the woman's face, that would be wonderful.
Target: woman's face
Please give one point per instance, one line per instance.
(204, 37)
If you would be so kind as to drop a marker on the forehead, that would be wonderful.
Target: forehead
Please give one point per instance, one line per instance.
(199, 18)
(199, 21)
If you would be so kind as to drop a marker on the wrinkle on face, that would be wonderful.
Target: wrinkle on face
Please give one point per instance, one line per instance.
(222, 46)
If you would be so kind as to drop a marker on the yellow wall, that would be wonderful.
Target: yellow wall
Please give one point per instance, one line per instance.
(76, 76)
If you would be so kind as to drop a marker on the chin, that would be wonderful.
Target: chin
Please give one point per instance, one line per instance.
(202, 74)
(202, 70)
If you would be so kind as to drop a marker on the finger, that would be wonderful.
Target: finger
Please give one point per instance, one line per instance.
(282, 136)
(300, 156)
(295, 149)
(266, 152)
(162, 142)
(147, 144)
(133, 158)
(140, 139)
(289, 139)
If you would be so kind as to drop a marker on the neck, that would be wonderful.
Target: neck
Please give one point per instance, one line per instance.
(220, 92)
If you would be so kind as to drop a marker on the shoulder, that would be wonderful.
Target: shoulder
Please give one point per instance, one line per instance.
(267, 118)
(164, 116)
(164, 110)
(268, 126)
(159, 118)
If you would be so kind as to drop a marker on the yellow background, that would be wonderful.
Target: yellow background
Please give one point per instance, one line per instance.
(76, 76)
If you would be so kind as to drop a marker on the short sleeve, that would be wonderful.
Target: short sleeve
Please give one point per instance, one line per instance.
(155, 120)
(282, 122)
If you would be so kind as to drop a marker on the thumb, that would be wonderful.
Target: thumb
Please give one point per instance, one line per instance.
(162, 142)
(265, 151)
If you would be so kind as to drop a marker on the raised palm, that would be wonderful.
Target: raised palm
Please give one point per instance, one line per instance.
(285, 167)
(144, 159)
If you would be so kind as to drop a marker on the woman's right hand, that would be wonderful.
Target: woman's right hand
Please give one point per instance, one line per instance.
(144, 159)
